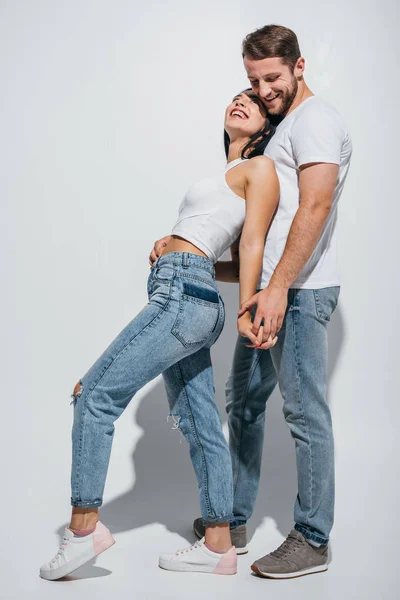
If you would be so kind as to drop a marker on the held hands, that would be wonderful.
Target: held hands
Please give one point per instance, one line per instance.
(158, 249)
(245, 328)
(271, 307)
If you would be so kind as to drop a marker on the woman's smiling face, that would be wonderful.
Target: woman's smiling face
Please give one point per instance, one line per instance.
(244, 116)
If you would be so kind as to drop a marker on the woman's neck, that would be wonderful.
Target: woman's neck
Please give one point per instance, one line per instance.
(235, 149)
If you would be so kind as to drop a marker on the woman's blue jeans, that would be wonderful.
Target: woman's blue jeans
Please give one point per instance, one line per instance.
(172, 335)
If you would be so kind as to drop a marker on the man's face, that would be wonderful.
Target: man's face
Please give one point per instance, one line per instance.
(273, 82)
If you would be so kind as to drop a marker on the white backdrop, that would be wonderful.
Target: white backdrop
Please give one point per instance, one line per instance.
(108, 111)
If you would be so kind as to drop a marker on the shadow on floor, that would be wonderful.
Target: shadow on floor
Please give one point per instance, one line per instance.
(165, 488)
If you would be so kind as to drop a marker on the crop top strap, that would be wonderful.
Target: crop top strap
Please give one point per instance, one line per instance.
(233, 163)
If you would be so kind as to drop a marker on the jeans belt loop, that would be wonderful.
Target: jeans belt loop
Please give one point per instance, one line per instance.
(185, 260)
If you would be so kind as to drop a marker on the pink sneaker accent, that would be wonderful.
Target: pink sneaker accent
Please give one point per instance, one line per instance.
(102, 538)
(228, 563)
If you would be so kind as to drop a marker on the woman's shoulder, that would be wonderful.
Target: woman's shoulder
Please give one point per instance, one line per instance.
(260, 162)
(260, 165)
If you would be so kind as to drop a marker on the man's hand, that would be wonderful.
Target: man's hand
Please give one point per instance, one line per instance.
(158, 249)
(271, 307)
(245, 327)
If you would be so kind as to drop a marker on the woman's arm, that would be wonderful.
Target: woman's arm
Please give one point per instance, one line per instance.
(262, 195)
(228, 270)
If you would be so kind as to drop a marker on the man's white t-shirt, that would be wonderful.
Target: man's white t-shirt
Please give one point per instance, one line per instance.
(313, 132)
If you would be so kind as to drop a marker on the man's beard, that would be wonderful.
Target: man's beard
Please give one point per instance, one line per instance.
(287, 100)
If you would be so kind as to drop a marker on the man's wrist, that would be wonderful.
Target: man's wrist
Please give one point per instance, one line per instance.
(277, 284)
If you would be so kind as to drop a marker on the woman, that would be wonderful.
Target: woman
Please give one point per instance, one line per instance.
(173, 335)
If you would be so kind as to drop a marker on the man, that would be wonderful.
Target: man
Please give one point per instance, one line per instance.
(299, 292)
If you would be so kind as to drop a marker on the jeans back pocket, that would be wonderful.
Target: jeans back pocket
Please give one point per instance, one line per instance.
(198, 313)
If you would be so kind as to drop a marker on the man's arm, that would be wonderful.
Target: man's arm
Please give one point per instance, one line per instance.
(316, 187)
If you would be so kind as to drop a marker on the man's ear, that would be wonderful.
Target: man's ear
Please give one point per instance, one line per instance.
(300, 67)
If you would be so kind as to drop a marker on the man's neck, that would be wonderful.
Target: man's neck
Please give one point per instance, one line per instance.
(303, 92)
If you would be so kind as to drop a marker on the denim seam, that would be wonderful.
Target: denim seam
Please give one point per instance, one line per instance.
(91, 389)
(221, 319)
(244, 401)
(298, 379)
(318, 309)
(196, 437)
(86, 504)
(161, 279)
(223, 519)
(81, 435)
(311, 536)
(196, 278)
(195, 261)
(200, 301)
(74, 401)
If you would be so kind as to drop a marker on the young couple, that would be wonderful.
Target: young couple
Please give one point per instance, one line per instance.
(275, 206)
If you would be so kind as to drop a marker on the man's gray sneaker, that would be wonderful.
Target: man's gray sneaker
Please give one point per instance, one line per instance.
(294, 558)
(238, 535)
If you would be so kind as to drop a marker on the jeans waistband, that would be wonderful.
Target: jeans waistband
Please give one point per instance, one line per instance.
(185, 260)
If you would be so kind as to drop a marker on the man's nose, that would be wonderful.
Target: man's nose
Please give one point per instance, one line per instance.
(265, 89)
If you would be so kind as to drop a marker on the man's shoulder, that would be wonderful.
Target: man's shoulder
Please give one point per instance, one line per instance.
(316, 108)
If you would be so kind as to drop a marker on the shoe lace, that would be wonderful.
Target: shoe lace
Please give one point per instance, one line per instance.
(189, 549)
(63, 545)
(289, 545)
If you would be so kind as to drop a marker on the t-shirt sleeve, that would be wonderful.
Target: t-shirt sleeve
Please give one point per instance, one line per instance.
(317, 136)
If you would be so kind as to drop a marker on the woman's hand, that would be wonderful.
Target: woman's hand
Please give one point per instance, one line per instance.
(271, 305)
(245, 328)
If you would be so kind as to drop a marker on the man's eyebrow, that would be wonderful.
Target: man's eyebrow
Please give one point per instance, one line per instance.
(277, 74)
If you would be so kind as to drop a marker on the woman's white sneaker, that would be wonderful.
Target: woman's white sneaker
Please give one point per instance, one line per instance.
(199, 558)
(76, 551)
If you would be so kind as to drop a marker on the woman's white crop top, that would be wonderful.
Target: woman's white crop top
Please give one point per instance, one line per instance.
(211, 215)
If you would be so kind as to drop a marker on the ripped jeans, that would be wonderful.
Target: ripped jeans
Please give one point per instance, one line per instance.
(172, 335)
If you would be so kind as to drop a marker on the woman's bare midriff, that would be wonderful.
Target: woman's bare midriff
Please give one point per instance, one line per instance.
(178, 244)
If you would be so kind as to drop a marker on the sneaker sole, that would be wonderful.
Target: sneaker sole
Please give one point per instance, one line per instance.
(294, 575)
(185, 567)
(239, 551)
(73, 565)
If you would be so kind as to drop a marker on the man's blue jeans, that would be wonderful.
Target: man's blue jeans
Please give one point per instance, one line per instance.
(172, 335)
(298, 363)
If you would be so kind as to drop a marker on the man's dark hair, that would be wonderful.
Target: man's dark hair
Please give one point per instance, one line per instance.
(272, 41)
(258, 142)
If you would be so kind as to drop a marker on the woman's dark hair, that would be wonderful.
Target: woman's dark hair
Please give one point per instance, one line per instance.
(258, 142)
